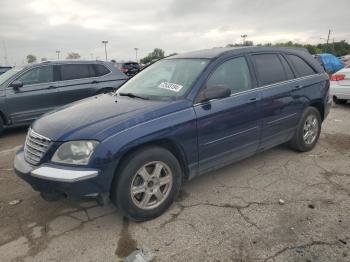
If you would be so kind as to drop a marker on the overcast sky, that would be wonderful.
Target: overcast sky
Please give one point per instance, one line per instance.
(41, 27)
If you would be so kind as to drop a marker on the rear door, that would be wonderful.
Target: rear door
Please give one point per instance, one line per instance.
(36, 97)
(278, 109)
(77, 81)
(228, 128)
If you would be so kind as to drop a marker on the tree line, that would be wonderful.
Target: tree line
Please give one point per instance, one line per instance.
(32, 58)
(340, 48)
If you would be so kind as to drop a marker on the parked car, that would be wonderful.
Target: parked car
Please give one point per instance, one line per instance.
(28, 92)
(129, 68)
(179, 118)
(340, 86)
(3, 69)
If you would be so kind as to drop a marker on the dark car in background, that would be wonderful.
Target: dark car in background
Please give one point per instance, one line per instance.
(177, 119)
(129, 68)
(3, 69)
(28, 92)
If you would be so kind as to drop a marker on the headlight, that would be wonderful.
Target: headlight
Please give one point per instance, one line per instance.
(75, 152)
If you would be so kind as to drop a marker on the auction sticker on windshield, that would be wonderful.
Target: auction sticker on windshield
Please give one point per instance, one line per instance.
(170, 86)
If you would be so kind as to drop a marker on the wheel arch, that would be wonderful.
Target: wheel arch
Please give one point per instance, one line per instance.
(319, 105)
(166, 143)
(3, 117)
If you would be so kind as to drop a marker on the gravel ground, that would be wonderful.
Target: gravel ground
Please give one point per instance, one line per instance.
(276, 206)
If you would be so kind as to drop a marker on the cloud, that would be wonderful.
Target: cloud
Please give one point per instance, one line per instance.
(41, 27)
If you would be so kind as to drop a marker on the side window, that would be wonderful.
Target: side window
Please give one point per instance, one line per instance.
(38, 75)
(301, 67)
(269, 69)
(75, 71)
(101, 70)
(287, 68)
(233, 73)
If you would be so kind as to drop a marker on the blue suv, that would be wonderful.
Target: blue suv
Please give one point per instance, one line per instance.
(177, 119)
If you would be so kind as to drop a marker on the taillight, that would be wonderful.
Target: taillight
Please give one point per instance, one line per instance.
(337, 77)
(125, 70)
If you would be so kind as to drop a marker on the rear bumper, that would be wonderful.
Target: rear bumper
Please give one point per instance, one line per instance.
(340, 91)
(70, 181)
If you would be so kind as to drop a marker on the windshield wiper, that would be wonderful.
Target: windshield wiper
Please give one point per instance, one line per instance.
(133, 95)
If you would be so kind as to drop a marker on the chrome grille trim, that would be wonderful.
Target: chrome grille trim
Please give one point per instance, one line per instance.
(35, 147)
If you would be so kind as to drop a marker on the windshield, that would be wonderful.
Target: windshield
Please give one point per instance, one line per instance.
(8, 74)
(166, 79)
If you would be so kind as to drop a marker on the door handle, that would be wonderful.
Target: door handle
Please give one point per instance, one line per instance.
(51, 87)
(298, 87)
(253, 99)
(94, 82)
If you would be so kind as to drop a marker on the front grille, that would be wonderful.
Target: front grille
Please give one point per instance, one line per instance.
(35, 147)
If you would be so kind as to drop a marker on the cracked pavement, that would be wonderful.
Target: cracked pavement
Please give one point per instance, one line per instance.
(232, 214)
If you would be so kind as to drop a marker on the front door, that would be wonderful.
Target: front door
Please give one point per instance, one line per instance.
(228, 128)
(35, 97)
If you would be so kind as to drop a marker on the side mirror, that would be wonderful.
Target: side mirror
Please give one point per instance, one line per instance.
(214, 92)
(16, 85)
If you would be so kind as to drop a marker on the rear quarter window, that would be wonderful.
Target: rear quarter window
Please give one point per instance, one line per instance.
(101, 70)
(269, 69)
(301, 67)
(76, 71)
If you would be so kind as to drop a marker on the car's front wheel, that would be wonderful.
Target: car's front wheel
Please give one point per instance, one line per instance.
(308, 130)
(339, 101)
(147, 183)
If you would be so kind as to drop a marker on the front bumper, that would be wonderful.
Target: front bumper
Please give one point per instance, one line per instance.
(71, 181)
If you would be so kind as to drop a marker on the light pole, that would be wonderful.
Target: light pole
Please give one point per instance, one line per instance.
(105, 42)
(136, 49)
(58, 54)
(244, 37)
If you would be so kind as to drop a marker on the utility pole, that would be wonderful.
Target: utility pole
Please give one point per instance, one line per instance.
(105, 42)
(5, 53)
(58, 54)
(329, 34)
(136, 49)
(243, 38)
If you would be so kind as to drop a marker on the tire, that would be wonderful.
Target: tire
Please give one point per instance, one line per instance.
(1, 126)
(307, 124)
(156, 177)
(339, 101)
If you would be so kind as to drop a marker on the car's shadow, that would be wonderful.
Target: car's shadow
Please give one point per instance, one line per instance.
(13, 131)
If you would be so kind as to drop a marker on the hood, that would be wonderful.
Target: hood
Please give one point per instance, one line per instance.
(101, 116)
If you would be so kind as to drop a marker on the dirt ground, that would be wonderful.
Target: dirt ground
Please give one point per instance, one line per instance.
(233, 214)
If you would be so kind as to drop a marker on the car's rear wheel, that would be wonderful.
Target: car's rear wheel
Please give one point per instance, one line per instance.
(308, 130)
(1, 125)
(339, 101)
(147, 183)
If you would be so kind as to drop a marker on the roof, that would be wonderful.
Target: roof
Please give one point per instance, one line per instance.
(218, 51)
(71, 61)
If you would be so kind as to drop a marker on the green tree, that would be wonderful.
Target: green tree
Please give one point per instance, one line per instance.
(31, 59)
(73, 55)
(157, 53)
